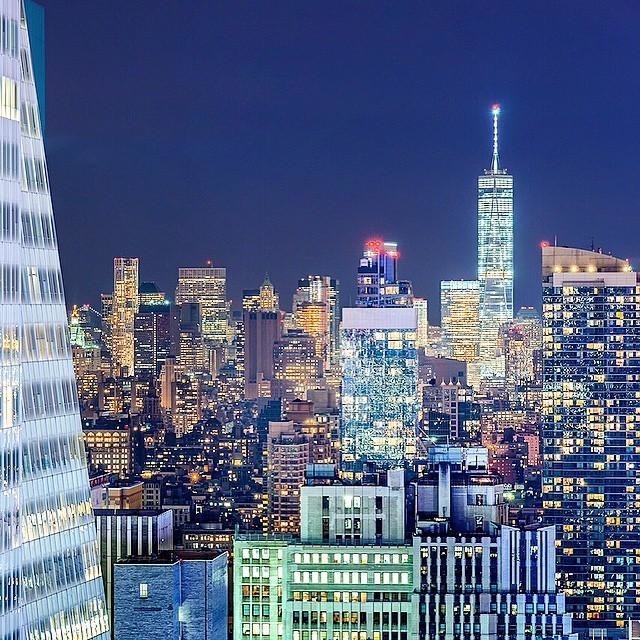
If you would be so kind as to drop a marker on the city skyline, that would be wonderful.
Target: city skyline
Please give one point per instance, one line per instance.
(368, 164)
(184, 457)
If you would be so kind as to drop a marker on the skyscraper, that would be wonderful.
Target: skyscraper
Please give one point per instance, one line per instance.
(208, 287)
(495, 257)
(591, 432)
(379, 385)
(522, 345)
(459, 302)
(261, 330)
(422, 334)
(378, 284)
(324, 290)
(152, 339)
(49, 563)
(296, 366)
(125, 303)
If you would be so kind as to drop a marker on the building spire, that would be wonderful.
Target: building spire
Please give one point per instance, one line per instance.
(495, 162)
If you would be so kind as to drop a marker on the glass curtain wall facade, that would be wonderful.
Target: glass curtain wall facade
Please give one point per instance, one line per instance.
(591, 433)
(495, 257)
(379, 385)
(50, 585)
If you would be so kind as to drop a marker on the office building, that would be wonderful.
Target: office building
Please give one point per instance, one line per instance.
(297, 368)
(422, 333)
(50, 585)
(522, 346)
(378, 284)
(108, 444)
(459, 306)
(262, 329)
(152, 339)
(207, 286)
(150, 295)
(322, 290)
(191, 353)
(176, 595)
(591, 433)
(447, 407)
(379, 385)
(123, 533)
(495, 257)
(313, 319)
(124, 306)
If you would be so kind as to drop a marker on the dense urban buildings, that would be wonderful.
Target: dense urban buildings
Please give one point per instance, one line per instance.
(313, 472)
(591, 409)
(447, 567)
(49, 563)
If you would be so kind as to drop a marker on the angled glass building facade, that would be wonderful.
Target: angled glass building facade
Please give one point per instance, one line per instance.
(495, 257)
(379, 385)
(591, 433)
(50, 584)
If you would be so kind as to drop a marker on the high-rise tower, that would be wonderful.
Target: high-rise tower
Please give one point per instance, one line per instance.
(208, 287)
(123, 312)
(591, 433)
(50, 570)
(495, 257)
(378, 284)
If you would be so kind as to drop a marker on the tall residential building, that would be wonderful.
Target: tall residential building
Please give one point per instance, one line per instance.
(49, 562)
(495, 257)
(378, 284)
(288, 454)
(124, 307)
(208, 287)
(591, 431)
(324, 290)
(459, 304)
(379, 385)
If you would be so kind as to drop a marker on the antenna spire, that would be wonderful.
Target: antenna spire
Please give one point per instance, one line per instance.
(495, 162)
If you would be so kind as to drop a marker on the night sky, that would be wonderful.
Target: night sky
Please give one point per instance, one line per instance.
(278, 136)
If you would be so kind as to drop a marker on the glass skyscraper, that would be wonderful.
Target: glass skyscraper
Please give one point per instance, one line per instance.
(591, 432)
(495, 257)
(379, 385)
(50, 584)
